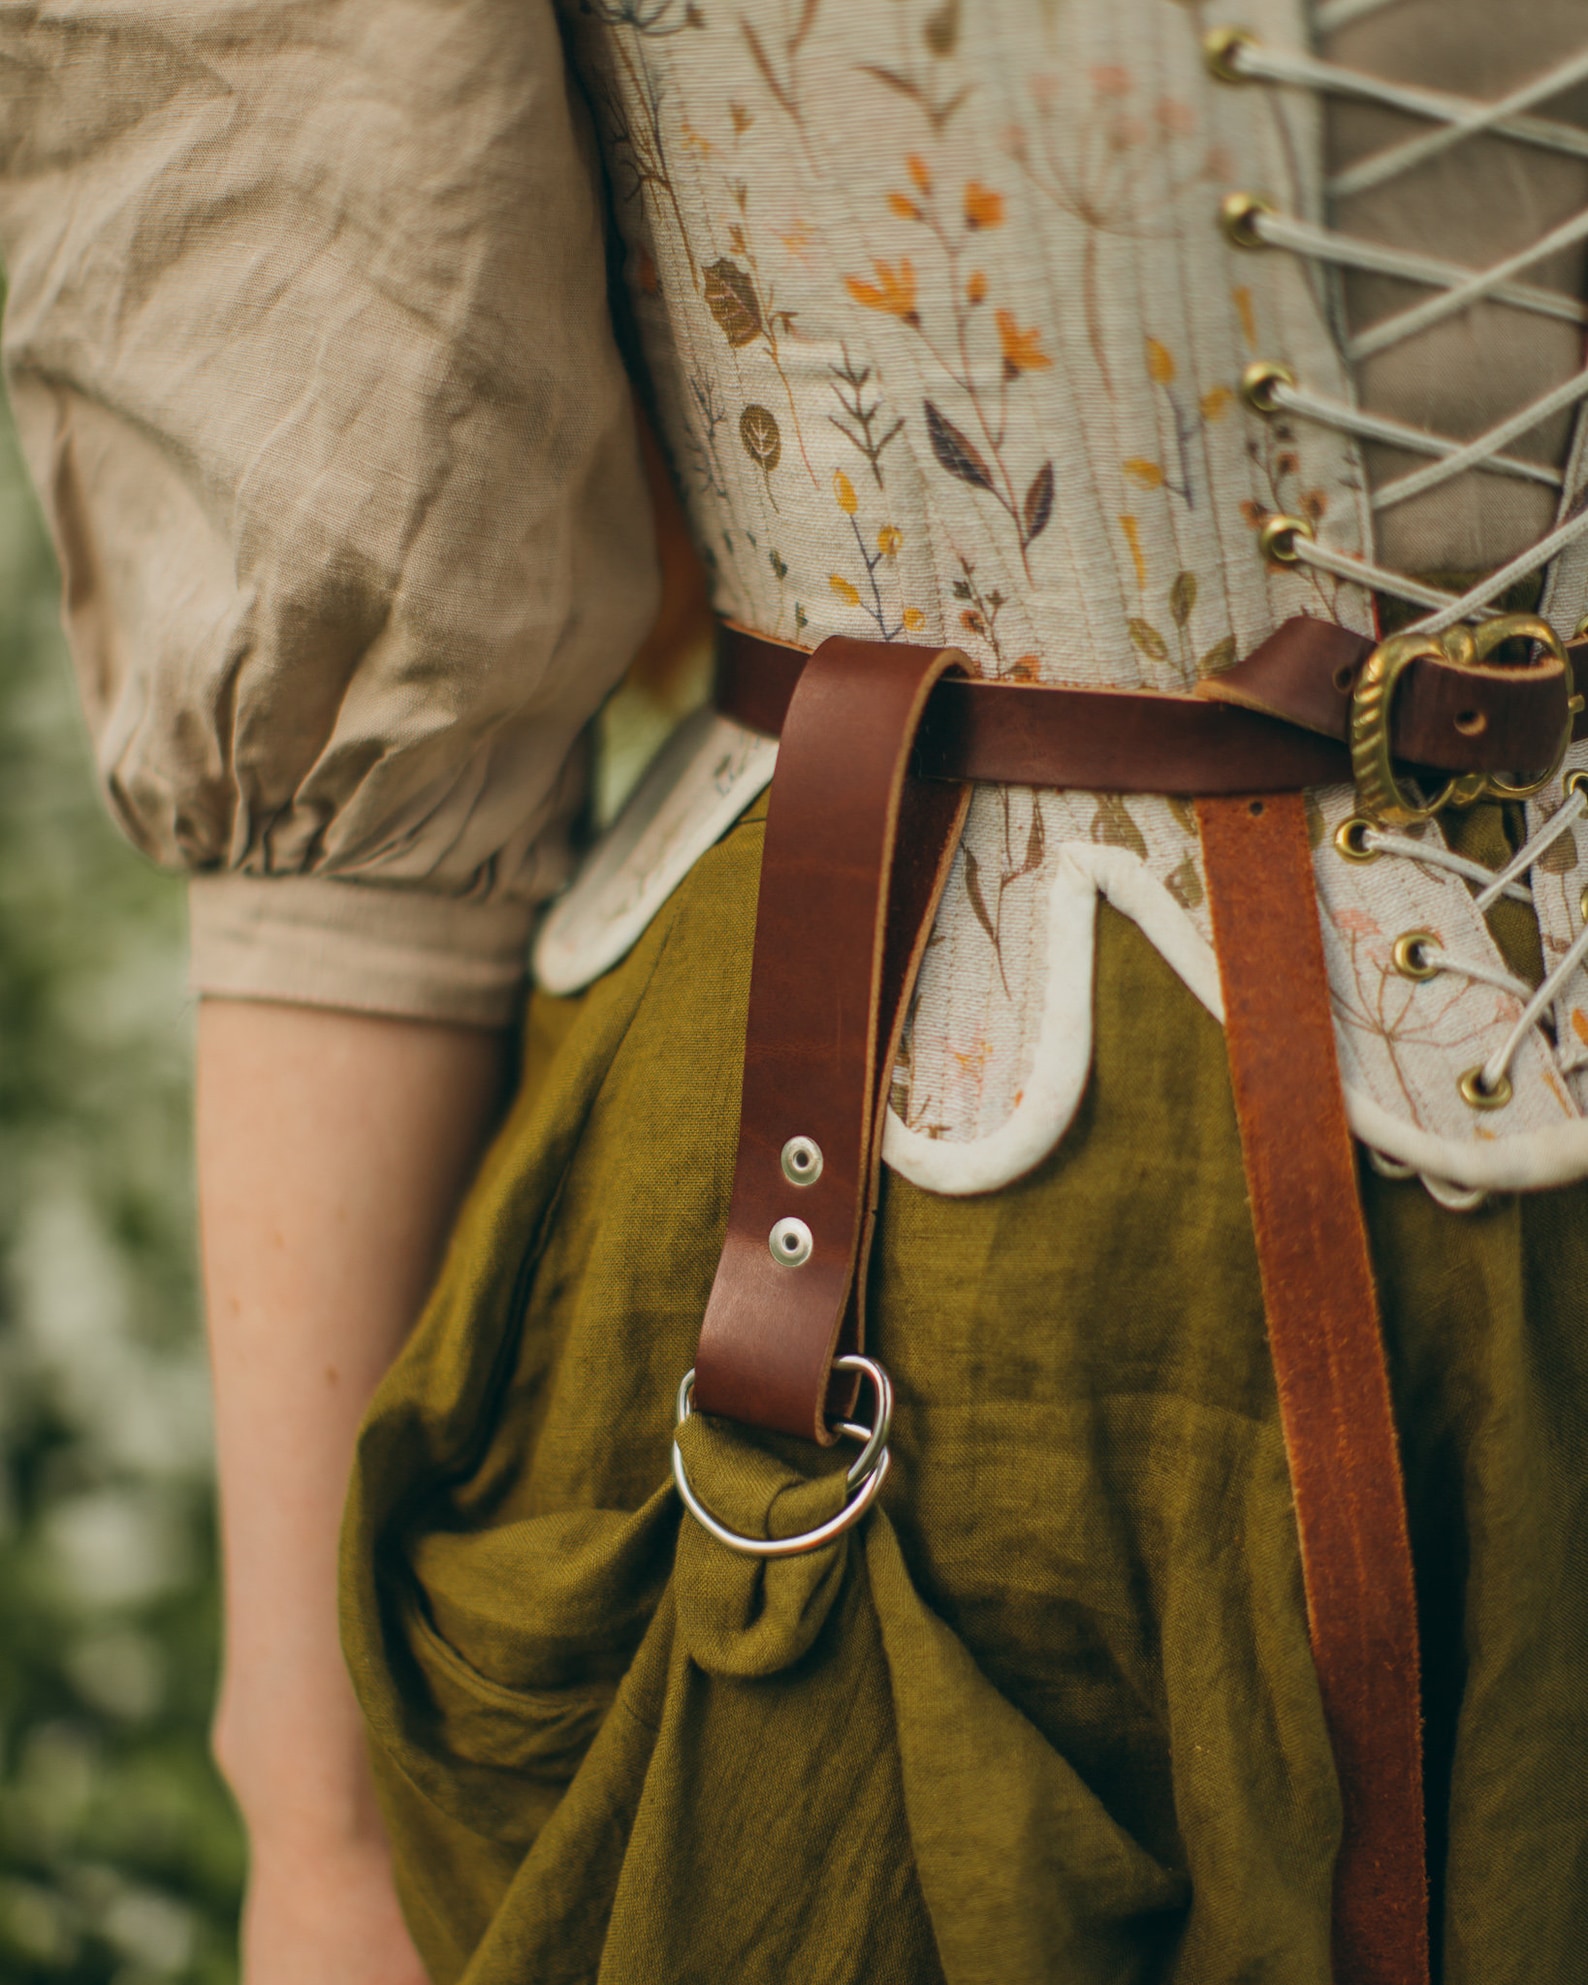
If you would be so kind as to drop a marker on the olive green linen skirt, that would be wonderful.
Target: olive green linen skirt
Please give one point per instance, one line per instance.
(1049, 1713)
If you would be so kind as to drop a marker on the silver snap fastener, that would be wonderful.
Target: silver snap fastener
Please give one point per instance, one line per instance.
(802, 1161)
(790, 1242)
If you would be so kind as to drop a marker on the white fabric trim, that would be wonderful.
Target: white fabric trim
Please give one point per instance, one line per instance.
(1521, 1162)
(698, 784)
(1063, 1054)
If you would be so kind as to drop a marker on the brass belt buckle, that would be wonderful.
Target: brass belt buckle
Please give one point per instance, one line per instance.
(1381, 795)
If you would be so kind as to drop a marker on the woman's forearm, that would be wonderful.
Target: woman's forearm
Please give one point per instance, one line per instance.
(332, 1151)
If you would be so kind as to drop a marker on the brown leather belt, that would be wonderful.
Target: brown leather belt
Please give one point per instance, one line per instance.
(879, 744)
(1275, 722)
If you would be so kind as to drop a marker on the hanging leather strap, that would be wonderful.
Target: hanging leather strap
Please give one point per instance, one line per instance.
(1334, 1397)
(856, 856)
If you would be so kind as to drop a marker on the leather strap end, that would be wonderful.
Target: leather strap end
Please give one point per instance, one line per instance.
(840, 925)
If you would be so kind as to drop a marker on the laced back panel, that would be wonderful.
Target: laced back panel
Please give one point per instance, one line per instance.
(1459, 275)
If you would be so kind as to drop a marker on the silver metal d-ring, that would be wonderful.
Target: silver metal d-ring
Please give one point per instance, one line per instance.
(865, 1477)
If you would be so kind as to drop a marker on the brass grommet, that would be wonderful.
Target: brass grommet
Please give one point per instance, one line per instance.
(1477, 1097)
(1220, 46)
(1258, 382)
(1348, 840)
(1238, 216)
(1574, 782)
(1582, 629)
(1582, 906)
(1406, 954)
(1276, 540)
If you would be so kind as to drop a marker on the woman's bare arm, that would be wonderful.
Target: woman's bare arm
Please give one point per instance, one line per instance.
(332, 1151)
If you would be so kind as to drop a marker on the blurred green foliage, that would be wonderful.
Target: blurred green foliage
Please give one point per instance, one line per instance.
(120, 1856)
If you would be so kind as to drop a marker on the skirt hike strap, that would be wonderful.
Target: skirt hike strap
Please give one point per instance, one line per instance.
(857, 854)
(1334, 1397)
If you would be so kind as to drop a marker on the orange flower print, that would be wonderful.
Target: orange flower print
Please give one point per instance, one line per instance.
(916, 166)
(1022, 349)
(976, 287)
(983, 207)
(893, 291)
(903, 206)
(914, 620)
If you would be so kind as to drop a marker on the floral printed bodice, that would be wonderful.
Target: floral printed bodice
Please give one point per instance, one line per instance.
(946, 344)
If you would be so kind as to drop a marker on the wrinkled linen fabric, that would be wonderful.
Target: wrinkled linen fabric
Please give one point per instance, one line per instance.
(308, 343)
(1050, 1713)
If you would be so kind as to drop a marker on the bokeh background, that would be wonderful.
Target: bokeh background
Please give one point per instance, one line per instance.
(120, 1856)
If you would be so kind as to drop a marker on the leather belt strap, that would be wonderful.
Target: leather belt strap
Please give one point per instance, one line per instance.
(1277, 721)
(1334, 1397)
(856, 857)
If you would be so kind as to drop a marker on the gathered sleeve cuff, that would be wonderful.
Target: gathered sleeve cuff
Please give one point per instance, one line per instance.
(403, 953)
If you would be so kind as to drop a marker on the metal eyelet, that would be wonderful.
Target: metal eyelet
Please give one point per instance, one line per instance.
(1239, 214)
(1349, 841)
(1407, 954)
(802, 1161)
(790, 1243)
(1574, 782)
(1277, 538)
(1582, 906)
(1478, 1097)
(867, 1472)
(1259, 380)
(1220, 48)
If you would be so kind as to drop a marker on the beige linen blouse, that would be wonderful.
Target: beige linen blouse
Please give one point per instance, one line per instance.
(308, 344)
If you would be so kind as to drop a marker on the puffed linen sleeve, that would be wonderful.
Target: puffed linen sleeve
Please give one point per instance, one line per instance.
(308, 346)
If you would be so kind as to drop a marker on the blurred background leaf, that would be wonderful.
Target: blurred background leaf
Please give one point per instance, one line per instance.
(120, 1856)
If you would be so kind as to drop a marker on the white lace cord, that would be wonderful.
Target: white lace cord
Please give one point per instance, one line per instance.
(1483, 448)
(1437, 959)
(1324, 244)
(1434, 854)
(1498, 116)
(1449, 608)
(1462, 117)
(1423, 316)
(1520, 567)
(1523, 860)
(1498, 1066)
(1306, 405)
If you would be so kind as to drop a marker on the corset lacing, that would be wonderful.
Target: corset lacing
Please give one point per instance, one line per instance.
(1252, 223)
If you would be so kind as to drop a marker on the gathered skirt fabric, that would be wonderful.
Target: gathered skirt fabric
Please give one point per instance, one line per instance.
(1049, 1712)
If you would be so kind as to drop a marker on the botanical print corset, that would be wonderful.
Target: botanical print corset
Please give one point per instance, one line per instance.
(947, 346)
